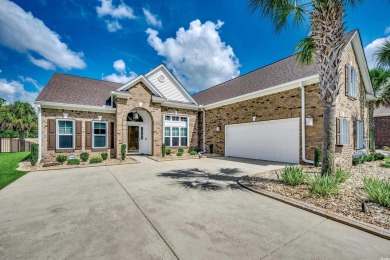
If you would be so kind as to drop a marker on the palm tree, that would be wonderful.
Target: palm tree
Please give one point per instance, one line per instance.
(380, 79)
(383, 55)
(326, 42)
(20, 117)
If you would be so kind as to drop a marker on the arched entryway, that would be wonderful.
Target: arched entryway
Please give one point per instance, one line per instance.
(139, 132)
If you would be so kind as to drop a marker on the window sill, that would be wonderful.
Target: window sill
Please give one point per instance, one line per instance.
(65, 150)
(176, 146)
(351, 98)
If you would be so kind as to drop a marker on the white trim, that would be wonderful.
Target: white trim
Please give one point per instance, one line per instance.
(93, 134)
(381, 115)
(268, 91)
(73, 133)
(303, 125)
(143, 79)
(39, 133)
(120, 94)
(178, 126)
(53, 105)
(180, 105)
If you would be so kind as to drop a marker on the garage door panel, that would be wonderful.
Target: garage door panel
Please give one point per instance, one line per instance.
(275, 140)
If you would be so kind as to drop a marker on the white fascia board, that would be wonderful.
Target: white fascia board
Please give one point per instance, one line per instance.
(370, 97)
(143, 79)
(53, 105)
(180, 105)
(268, 91)
(156, 99)
(162, 66)
(121, 94)
(380, 115)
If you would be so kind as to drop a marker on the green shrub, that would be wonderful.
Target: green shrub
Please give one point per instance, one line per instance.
(317, 156)
(323, 185)
(342, 175)
(168, 151)
(385, 165)
(193, 153)
(196, 149)
(379, 156)
(123, 151)
(356, 161)
(73, 161)
(377, 190)
(163, 150)
(34, 154)
(180, 152)
(369, 157)
(96, 160)
(104, 155)
(61, 158)
(292, 175)
(386, 148)
(84, 156)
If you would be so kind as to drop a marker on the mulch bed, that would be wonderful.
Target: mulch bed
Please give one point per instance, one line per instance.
(348, 200)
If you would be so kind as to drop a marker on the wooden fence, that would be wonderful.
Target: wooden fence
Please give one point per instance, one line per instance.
(12, 145)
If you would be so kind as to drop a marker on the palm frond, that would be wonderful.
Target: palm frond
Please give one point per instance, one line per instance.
(382, 55)
(306, 51)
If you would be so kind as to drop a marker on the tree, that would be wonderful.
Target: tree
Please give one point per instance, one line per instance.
(382, 55)
(380, 79)
(325, 46)
(20, 117)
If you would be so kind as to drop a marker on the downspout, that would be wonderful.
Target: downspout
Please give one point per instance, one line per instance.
(204, 130)
(39, 134)
(303, 129)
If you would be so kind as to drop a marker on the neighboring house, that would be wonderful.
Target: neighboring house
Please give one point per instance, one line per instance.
(273, 113)
(382, 127)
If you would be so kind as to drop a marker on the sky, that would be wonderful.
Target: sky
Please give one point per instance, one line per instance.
(203, 43)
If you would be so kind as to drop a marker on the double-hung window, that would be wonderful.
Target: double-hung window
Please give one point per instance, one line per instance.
(359, 134)
(65, 134)
(99, 135)
(175, 131)
(342, 131)
(352, 88)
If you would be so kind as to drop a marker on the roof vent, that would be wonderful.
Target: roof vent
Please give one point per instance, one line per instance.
(161, 78)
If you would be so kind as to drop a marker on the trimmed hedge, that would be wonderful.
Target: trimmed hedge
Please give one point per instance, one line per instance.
(96, 160)
(61, 158)
(84, 156)
(73, 162)
(34, 154)
(104, 155)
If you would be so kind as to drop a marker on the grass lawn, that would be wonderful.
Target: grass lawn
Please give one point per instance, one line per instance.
(8, 164)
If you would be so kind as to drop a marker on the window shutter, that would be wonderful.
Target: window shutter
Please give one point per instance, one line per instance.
(78, 132)
(88, 135)
(345, 131)
(111, 135)
(347, 80)
(51, 134)
(338, 133)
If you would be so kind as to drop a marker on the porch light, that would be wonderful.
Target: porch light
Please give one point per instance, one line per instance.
(136, 116)
(100, 118)
(309, 120)
(254, 118)
(65, 115)
(140, 104)
(218, 129)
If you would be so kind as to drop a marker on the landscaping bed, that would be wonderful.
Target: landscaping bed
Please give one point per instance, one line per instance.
(347, 200)
(173, 157)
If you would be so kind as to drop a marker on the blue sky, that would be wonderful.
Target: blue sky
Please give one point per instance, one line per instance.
(117, 40)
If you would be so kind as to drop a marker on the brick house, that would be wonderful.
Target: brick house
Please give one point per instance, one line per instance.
(382, 127)
(273, 113)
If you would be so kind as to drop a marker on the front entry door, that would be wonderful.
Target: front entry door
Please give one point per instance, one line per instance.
(133, 138)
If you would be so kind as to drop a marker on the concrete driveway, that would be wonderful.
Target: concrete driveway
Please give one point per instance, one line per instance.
(189, 209)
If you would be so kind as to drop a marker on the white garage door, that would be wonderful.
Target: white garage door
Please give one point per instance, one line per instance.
(274, 140)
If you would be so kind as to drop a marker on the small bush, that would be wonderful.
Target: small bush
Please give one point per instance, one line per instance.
(193, 153)
(96, 160)
(123, 151)
(292, 175)
(356, 161)
(369, 157)
(163, 150)
(61, 158)
(168, 151)
(342, 175)
(73, 161)
(196, 149)
(317, 156)
(379, 156)
(84, 156)
(385, 165)
(104, 156)
(34, 154)
(180, 152)
(323, 185)
(386, 148)
(377, 190)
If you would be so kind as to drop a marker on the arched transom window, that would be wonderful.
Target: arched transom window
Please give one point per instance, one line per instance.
(134, 117)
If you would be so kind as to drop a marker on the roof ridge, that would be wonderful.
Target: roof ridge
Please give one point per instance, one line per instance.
(83, 77)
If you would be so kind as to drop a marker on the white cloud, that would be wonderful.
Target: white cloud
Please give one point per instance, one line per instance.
(197, 56)
(371, 48)
(113, 26)
(122, 76)
(387, 30)
(151, 19)
(15, 90)
(121, 11)
(24, 33)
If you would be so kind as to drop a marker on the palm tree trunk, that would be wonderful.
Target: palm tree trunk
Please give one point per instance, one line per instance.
(329, 141)
(22, 141)
(371, 125)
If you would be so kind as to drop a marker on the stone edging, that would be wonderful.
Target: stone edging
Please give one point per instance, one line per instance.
(176, 158)
(319, 211)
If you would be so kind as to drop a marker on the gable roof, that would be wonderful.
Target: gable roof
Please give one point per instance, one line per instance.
(382, 111)
(69, 89)
(274, 74)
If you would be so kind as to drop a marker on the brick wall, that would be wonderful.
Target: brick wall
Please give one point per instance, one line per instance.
(382, 131)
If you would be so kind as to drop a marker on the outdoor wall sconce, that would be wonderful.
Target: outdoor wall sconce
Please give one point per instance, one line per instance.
(136, 116)
(100, 118)
(140, 104)
(218, 129)
(309, 120)
(254, 118)
(65, 115)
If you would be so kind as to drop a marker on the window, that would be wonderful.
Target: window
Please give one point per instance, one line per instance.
(352, 81)
(342, 131)
(99, 135)
(142, 133)
(65, 134)
(176, 131)
(359, 134)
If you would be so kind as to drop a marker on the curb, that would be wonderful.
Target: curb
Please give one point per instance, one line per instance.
(383, 233)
